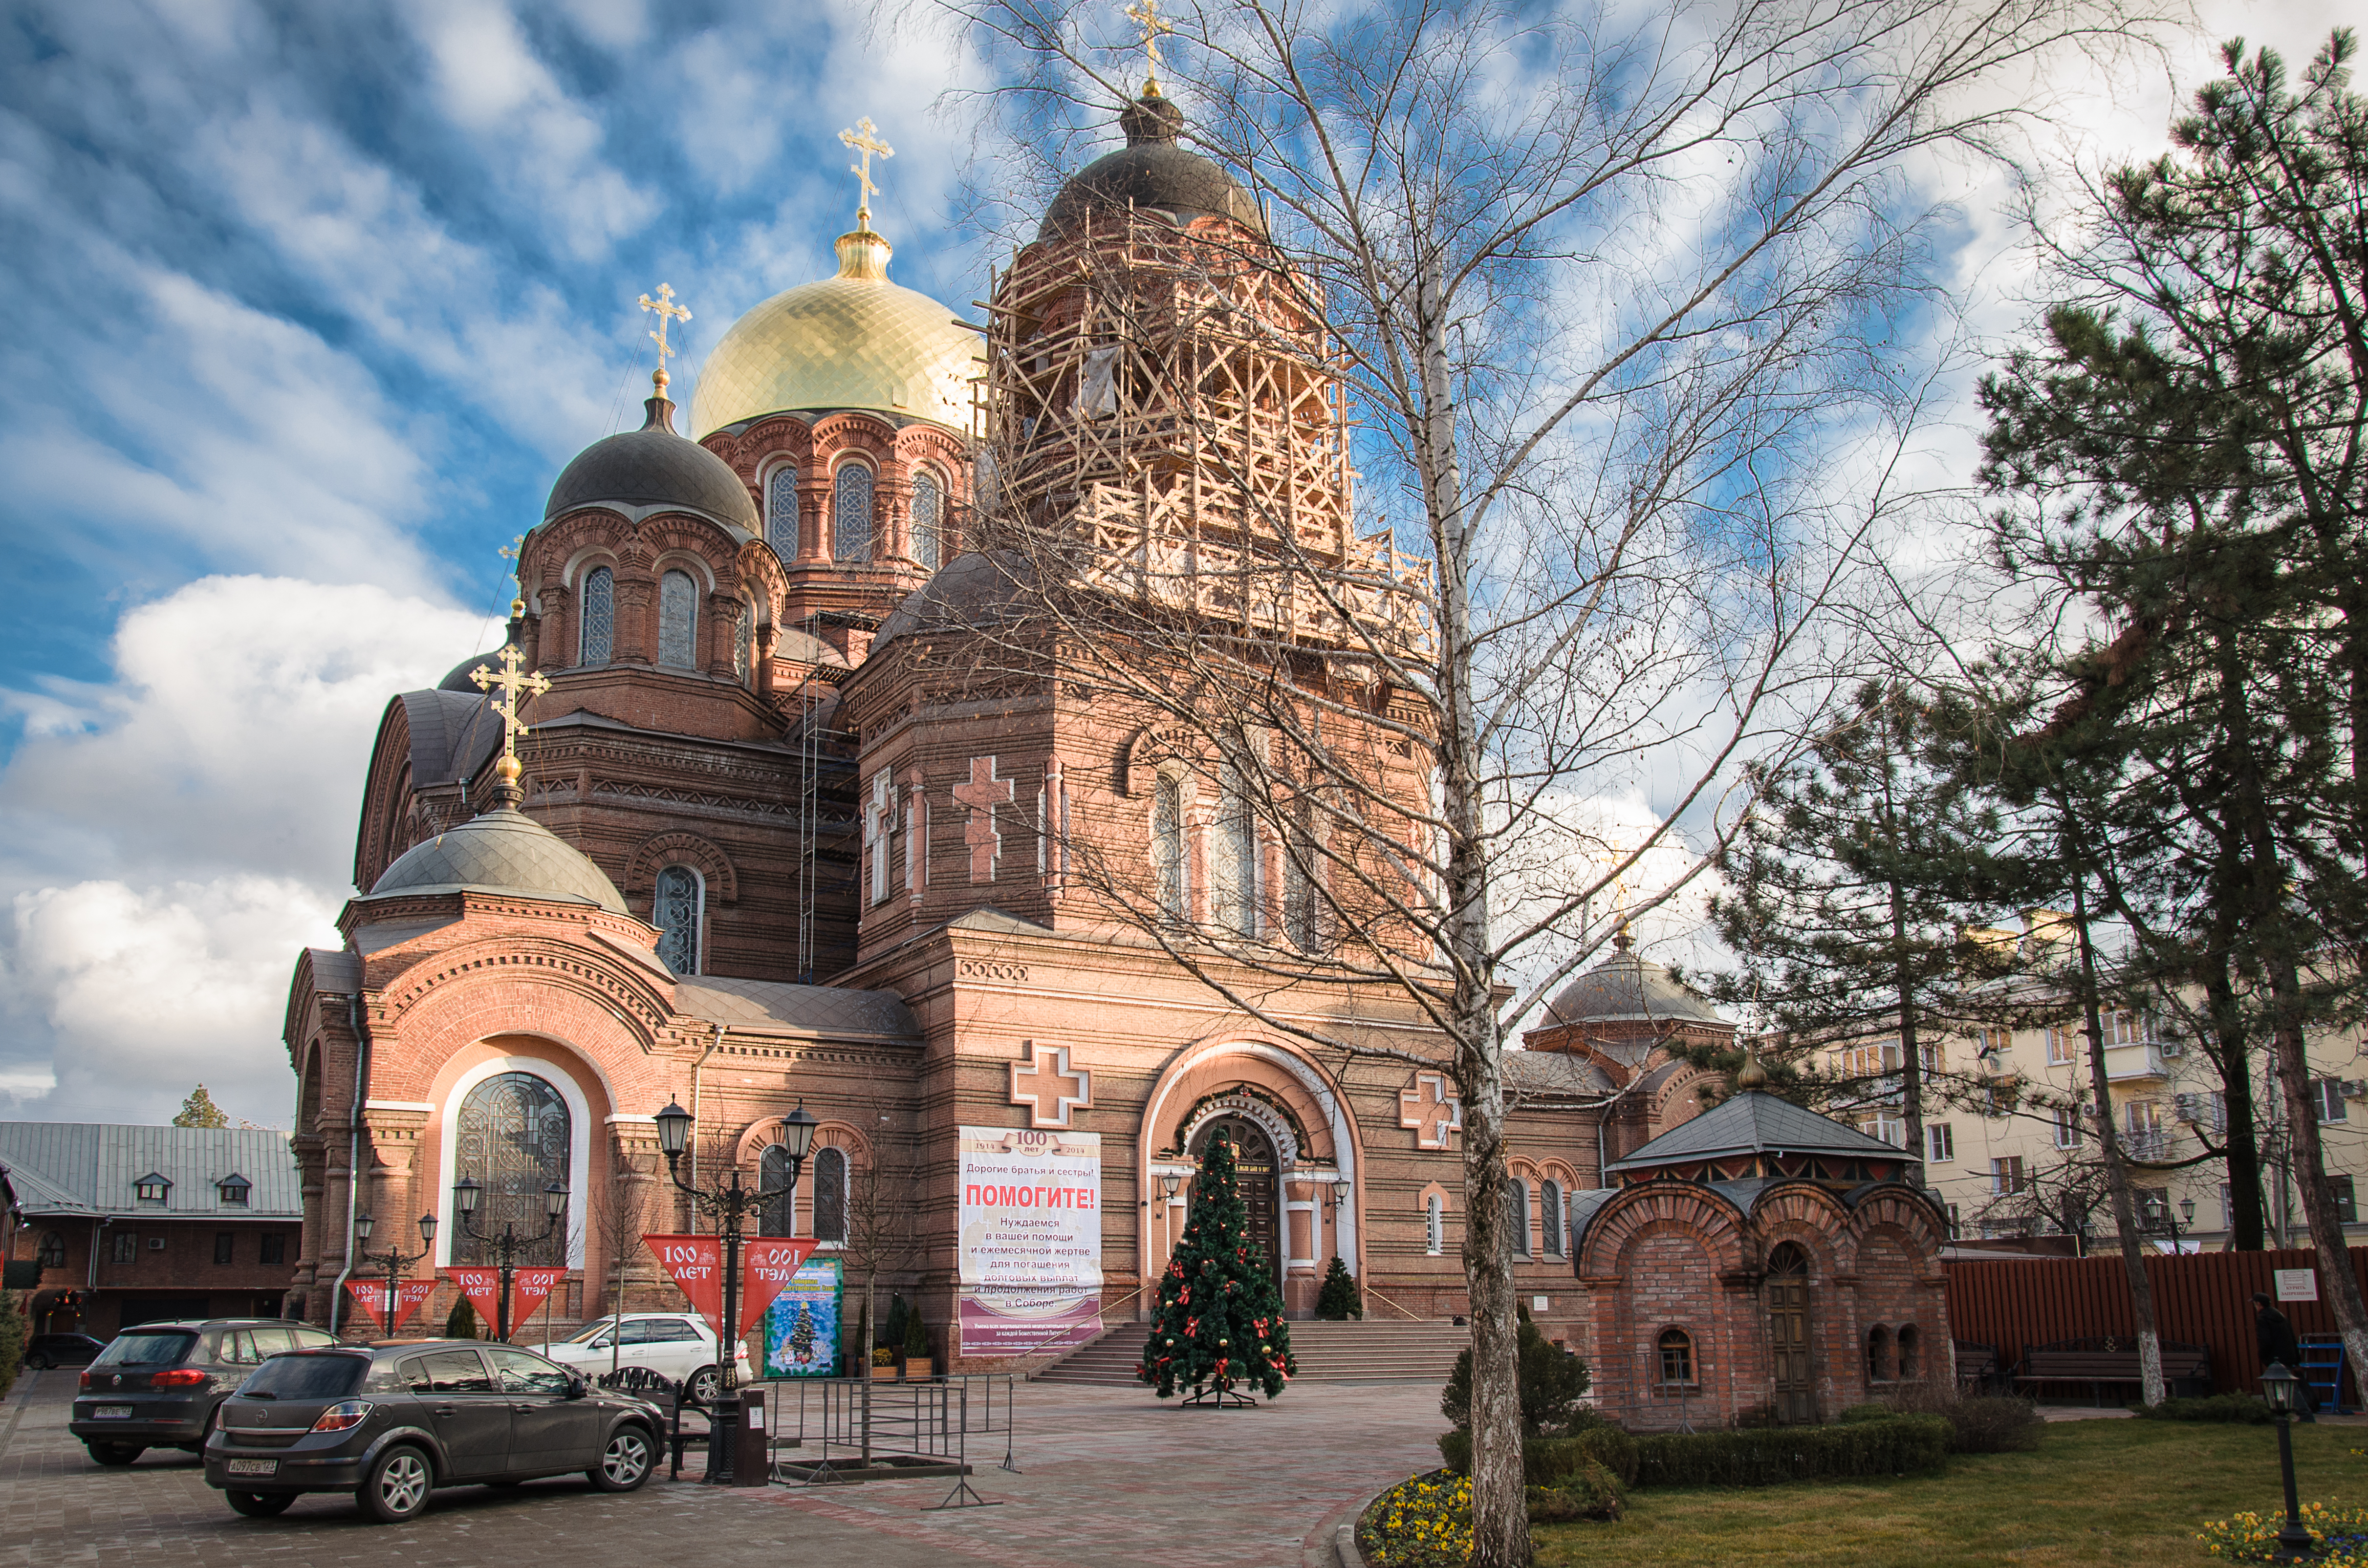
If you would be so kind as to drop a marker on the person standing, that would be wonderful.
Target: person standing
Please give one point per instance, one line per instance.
(2274, 1332)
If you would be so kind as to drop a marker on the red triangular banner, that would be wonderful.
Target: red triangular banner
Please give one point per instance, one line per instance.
(766, 1266)
(370, 1296)
(483, 1288)
(697, 1265)
(528, 1287)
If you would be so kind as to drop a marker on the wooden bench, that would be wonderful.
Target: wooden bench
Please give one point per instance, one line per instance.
(1977, 1364)
(2112, 1360)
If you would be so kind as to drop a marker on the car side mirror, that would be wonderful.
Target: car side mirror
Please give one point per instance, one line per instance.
(577, 1385)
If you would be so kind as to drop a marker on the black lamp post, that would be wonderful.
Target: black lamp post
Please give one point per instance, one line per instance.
(395, 1259)
(507, 1245)
(731, 1207)
(2284, 1390)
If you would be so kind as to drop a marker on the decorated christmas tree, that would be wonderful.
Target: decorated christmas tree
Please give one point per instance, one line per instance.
(1219, 1325)
(802, 1336)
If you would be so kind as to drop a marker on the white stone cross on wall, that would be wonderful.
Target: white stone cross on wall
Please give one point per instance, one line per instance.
(981, 794)
(1430, 1107)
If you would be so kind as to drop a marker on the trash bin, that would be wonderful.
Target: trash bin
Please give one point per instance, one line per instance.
(751, 1457)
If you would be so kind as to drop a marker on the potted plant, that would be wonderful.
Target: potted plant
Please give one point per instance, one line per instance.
(917, 1350)
(883, 1364)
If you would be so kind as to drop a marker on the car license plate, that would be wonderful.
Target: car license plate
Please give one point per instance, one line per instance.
(111, 1413)
(252, 1467)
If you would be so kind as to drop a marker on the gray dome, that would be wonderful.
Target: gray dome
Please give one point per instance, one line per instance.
(970, 589)
(1627, 989)
(654, 467)
(458, 680)
(502, 851)
(1151, 171)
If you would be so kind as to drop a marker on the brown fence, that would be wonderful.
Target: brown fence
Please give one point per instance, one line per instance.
(2199, 1299)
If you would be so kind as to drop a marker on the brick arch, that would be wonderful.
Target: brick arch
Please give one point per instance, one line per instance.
(828, 1134)
(1649, 1208)
(1154, 749)
(1679, 1089)
(657, 852)
(496, 984)
(1900, 1214)
(1808, 1214)
(759, 572)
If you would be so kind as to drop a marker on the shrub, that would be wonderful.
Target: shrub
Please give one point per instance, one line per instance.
(1978, 1423)
(1549, 1462)
(2244, 1408)
(1873, 1410)
(1589, 1493)
(916, 1337)
(1340, 1300)
(13, 1330)
(460, 1322)
(1553, 1384)
(1897, 1444)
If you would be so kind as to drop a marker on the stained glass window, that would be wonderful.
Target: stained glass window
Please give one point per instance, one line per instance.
(678, 621)
(830, 1195)
(781, 511)
(1551, 1211)
(1167, 844)
(744, 645)
(1232, 879)
(850, 514)
(1517, 1216)
(928, 521)
(600, 616)
(674, 911)
(777, 1215)
(512, 1139)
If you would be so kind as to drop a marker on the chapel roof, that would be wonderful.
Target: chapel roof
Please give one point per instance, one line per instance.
(503, 851)
(1629, 988)
(1754, 1121)
(1153, 172)
(970, 589)
(654, 467)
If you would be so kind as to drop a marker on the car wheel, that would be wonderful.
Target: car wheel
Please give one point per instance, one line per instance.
(38, 1363)
(116, 1455)
(260, 1504)
(626, 1463)
(396, 1487)
(706, 1386)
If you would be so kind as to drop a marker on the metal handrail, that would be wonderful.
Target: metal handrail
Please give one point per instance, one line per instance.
(1365, 1290)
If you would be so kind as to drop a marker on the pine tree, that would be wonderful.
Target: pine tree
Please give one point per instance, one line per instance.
(802, 1336)
(1340, 1300)
(1220, 1323)
(462, 1323)
(199, 1110)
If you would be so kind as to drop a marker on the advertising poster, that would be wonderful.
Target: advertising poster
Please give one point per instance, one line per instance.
(802, 1328)
(1032, 1240)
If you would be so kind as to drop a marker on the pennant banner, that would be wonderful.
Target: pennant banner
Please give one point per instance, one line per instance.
(696, 1263)
(767, 1266)
(528, 1288)
(370, 1296)
(483, 1288)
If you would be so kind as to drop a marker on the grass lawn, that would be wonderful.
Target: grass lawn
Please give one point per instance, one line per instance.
(2128, 1491)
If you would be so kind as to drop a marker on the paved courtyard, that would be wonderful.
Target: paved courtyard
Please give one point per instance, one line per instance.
(1106, 1477)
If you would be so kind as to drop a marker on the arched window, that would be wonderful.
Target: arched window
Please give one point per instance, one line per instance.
(779, 1214)
(599, 641)
(1517, 1215)
(1878, 1368)
(1434, 1225)
(1908, 1347)
(1677, 1348)
(511, 1138)
(744, 645)
(678, 621)
(1552, 1211)
(1167, 844)
(1232, 874)
(1303, 912)
(781, 511)
(928, 520)
(675, 911)
(830, 1195)
(851, 513)
(53, 1250)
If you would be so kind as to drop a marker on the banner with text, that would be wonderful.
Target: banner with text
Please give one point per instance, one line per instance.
(767, 1266)
(483, 1288)
(696, 1263)
(1031, 1240)
(370, 1296)
(801, 1330)
(527, 1289)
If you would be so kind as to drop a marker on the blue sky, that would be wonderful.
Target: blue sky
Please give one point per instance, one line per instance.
(308, 303)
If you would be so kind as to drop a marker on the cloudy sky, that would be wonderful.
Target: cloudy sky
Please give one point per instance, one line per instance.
(308, 304)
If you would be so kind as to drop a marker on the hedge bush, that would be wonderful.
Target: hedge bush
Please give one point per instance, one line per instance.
(1549, 1462)
(1978, 1423)
(1589, 1493)
(2243, 1408)
(1897, 1444)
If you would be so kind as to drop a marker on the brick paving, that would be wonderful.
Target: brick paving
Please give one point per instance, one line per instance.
(1106, 1477)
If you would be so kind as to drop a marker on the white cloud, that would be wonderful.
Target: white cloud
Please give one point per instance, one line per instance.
(172, 837)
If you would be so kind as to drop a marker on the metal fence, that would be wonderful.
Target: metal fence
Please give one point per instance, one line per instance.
(823, 1431)
(2200, 1298)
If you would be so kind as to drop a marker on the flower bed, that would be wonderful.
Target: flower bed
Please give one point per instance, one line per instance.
(1422, 1522)
(2341, 1534)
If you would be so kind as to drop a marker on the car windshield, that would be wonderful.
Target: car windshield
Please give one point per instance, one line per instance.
(591, 1331)
(140, 1348)
(308, 1374)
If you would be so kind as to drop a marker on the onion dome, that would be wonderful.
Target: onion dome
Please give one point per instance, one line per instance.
(1626, 989)
(500, 851)
(654, 467)
(1151, 172)
(852, 341)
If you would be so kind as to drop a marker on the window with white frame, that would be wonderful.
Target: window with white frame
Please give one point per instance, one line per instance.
(2061, 1042)
(1869, 1060)
(781, 511)
(1891, 1129)
(1435, 1225)
(675, 910)
(1940, 1142)
(851, 513)
(2327, 1099)
(2346, 1204)
(678, 621)
(2006, 1175)
(598, 644)
(2070, 1123)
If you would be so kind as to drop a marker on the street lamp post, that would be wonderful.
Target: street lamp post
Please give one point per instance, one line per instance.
(507, 1245)
(396, 1259)
(2284, 1390)
(730, 1206)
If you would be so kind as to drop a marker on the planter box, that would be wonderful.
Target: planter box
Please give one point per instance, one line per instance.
(883, 1374)
(916, 1368)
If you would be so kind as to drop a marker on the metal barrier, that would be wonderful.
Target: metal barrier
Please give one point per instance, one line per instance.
(869, 1429)
(667, 1395)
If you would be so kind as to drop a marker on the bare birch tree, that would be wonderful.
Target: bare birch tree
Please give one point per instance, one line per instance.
(1633, 314)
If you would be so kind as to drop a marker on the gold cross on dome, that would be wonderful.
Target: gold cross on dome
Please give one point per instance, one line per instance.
(668, 310)
(1145, 14)
(513, 683)
(865, 138)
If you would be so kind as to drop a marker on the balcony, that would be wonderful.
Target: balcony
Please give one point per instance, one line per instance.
(2140, 1062)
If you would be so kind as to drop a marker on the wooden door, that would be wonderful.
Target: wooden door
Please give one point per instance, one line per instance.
(1256, 1178)
(1787, 1288)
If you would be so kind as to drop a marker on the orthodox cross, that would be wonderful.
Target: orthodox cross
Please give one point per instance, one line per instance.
(668, 310)
(981, 794)
(1145, 14)
(1430, 1108)
(1043, 1080)
(513, 683)
(865, 138)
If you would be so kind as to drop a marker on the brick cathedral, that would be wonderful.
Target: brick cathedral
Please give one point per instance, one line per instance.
(763, 846)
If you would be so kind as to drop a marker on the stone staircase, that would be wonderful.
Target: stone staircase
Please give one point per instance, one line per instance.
(1370, 1352)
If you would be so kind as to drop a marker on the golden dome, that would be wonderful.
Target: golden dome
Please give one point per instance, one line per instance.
(852, 341)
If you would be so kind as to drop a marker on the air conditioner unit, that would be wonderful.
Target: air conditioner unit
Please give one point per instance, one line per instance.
(2355, 1089)
(2186, 1108)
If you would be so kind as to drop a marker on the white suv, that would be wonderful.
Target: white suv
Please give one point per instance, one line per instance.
(676, 1345)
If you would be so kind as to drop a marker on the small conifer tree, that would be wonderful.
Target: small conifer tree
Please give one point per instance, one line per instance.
(199, 1110)
(1340, 1300)
(462, 1322)
(1219, 1323)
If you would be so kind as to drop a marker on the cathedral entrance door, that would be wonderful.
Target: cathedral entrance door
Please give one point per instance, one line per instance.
(1256, 1175)
(1788, 1335)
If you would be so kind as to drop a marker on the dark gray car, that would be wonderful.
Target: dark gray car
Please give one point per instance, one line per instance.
(391, 1423)
(156, 1386)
